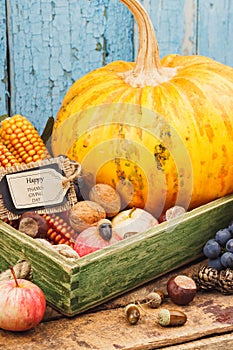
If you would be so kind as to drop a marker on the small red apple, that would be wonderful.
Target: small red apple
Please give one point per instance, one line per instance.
(95, 238)
(22, 304)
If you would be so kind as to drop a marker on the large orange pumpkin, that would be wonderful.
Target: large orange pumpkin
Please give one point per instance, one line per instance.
(160, 131)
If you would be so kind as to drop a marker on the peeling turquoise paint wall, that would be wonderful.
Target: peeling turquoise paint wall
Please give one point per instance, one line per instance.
(175, 24)
(53, 43)
(3, 68)
(216, 30)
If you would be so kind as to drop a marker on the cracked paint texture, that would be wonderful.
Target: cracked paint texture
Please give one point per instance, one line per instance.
(3, 70)
(53, 43)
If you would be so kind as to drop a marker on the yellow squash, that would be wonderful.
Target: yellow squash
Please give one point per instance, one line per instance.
(160, 131)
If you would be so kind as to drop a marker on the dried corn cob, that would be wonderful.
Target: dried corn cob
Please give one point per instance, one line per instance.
(59, 232)
(13, 223)
(22, 139)
(6, 157)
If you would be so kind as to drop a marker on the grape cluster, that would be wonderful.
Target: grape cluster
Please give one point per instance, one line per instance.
(219, 250)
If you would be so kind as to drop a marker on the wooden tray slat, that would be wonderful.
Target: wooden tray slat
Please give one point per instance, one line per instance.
(73, 286)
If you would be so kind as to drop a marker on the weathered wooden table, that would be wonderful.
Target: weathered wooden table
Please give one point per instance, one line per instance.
(209, 325)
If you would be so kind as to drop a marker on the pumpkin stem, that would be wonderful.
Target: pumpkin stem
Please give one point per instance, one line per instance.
(148, 69)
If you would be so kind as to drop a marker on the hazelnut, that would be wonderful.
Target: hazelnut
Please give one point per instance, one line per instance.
(171, 318)
(41, 222)
(107, 197)
(181, 289)
(85, 214)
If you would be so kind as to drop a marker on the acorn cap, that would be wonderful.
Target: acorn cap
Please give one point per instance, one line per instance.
(164, 317)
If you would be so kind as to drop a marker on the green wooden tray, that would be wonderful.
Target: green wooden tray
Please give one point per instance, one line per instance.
(73, 286)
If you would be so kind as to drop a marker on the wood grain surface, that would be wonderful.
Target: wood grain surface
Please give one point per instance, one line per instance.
(209, 325)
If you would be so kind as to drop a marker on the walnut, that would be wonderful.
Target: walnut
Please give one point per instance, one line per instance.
(85, 214)
(107, 197)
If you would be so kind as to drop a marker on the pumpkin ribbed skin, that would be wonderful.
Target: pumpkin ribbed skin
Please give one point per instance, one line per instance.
(186, 157)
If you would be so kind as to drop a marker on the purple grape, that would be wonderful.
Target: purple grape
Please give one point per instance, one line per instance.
(227, 259)
(212, 249)
(229, 245)
(215, 263)
(222, 236)
(230, 227)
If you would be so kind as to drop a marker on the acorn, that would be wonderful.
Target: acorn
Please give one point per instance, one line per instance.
(154, 299)
(132, 313)
(171, 318)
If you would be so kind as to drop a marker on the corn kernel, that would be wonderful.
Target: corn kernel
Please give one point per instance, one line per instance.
(26, 143)
(6, 157)
(29, 160)
(18, 131)
(32, 152)
(22, 139)
(9, 130)
(36, 157)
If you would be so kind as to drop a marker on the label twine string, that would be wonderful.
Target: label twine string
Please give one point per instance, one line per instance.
(73, 176)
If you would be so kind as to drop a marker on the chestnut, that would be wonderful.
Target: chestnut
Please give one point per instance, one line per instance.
(41, 222)
(181, 289)
(29, 226)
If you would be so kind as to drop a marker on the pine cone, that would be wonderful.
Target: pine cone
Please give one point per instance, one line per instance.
(206, 278)
(225, 281)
